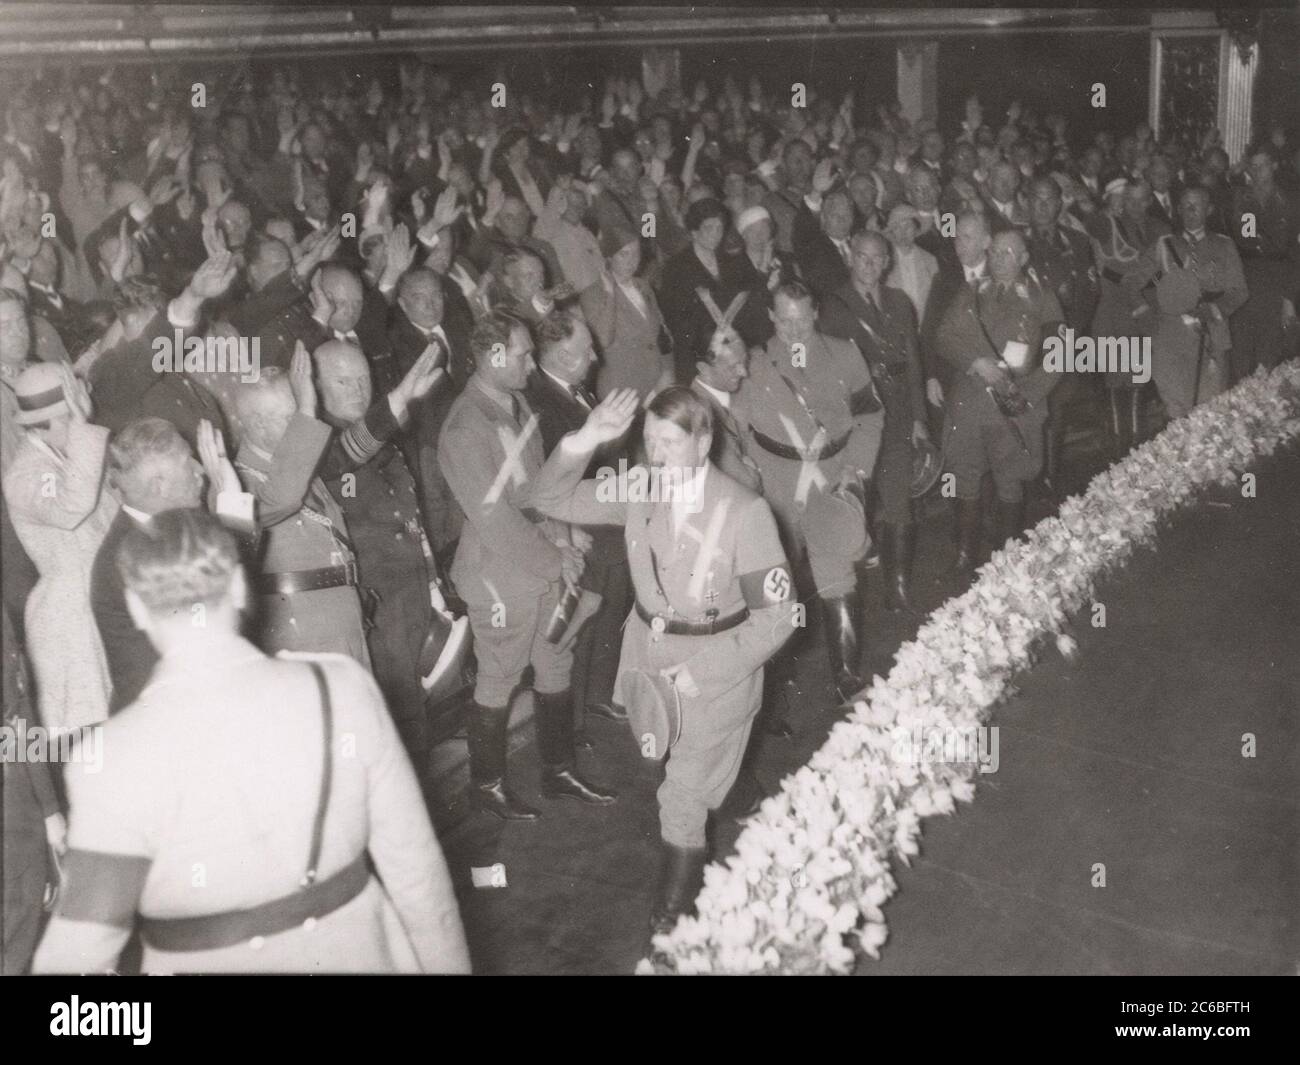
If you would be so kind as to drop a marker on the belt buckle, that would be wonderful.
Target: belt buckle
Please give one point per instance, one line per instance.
(350, 571)
(711, 618)
(658, 624)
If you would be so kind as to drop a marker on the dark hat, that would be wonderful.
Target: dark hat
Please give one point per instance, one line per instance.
(613, 239)
(927, 465)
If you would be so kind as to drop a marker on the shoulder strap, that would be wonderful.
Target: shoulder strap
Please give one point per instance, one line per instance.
(327, 776)
(979, 320)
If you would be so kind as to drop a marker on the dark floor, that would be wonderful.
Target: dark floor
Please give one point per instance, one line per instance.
(1130, 758)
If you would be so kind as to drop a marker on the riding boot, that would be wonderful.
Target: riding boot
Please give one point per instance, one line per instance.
(841, 618)
(553, 713)
(897, 550)
(487, 766)
(1010, 520)
(681, 876)
(968, 537)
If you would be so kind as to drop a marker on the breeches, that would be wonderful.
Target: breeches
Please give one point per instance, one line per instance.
(705, 761)
(508, 637)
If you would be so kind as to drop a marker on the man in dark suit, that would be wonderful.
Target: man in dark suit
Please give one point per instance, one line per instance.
(721, 373)
(558, 394)
(924, 194)
(416, 324)
(821, 247)
(1164, 191)
(152, 469)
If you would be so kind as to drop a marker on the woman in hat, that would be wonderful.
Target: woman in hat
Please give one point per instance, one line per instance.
(624, 317)
(760, 269)
(54, 491)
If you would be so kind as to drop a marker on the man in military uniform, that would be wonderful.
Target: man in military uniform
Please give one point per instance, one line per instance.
(511, 572)
(811, 411)
(719, 376)
(307, 588)
(714, 601)
(881, 321)
(1193, 282)
(1271, 262)
(1061, 259)
(217, 770)
(992, 334)
(370, 481)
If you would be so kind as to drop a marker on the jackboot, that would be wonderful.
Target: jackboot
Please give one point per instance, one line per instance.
(968, 537)
(487, 766)
(1010, 520)
(681, 876)
(553, 714)
(897, 550)
(843, 625)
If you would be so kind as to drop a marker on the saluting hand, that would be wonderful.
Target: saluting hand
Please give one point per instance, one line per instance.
(300, 380)
(610, 418)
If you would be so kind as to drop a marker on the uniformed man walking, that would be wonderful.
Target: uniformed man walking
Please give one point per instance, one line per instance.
(511, 572)
(714, 602)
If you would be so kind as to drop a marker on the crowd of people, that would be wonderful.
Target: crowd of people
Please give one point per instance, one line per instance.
(296, 368)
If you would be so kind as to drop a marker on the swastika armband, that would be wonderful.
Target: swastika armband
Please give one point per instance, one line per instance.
(763, 588)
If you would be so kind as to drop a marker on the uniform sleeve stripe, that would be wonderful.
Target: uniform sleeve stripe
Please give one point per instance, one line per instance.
(103, 888)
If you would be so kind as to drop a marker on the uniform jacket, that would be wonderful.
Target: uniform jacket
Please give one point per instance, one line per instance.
(687, 318)
(502, 554)
(730, 451)
(727, 557)
(188, 817)
(886, 336)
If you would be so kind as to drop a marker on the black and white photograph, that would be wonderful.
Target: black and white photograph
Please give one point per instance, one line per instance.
(663, 490)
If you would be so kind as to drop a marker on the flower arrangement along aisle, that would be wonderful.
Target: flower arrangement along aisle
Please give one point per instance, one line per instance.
(803, 891)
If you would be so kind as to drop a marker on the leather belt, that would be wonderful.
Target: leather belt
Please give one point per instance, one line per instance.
(785, 451)
(214, 931)
(661, 624)
(307, 580)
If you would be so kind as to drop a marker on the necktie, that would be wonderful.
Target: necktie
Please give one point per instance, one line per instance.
(349, 337)
(514, 408)
(584, 396)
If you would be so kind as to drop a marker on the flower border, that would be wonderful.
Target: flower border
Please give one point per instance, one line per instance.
(811, 870)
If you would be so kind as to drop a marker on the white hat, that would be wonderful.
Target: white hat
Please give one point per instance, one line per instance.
(749, 216)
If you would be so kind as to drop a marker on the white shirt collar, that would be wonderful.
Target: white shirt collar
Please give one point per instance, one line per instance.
(139, 515)
(723, 398)
(974, 272)
(567, 386)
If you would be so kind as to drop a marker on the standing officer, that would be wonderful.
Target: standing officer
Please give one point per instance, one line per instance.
(307, 587)
(510, 570)
(370, 481)
(714, 601)
(815, 421)
(881, 321)
(1194, 282)
(1061, 258)
(992, 334)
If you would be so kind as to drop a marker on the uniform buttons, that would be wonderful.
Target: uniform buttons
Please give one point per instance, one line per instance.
(257, 942)
(309, 924)
(397, 536)
(397, 513)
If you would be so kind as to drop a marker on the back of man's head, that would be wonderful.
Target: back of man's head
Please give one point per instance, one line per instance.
(180, 560)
